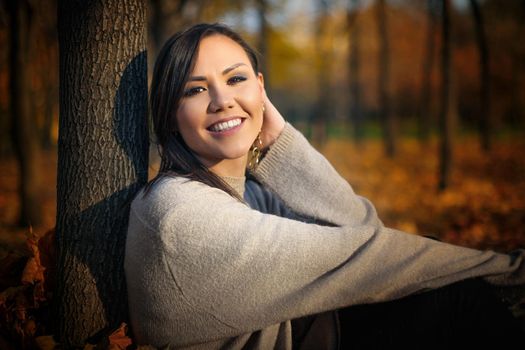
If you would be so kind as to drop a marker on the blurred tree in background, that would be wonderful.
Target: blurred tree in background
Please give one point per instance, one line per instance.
(383, 83)
(447, 112)
(484, 76)
(24, 135)
(354, 63)
(424, 111)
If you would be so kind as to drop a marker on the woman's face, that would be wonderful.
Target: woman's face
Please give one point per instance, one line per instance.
(221, 111)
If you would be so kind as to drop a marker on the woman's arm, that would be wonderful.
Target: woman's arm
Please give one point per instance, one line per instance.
(307, 183)
(304, 180)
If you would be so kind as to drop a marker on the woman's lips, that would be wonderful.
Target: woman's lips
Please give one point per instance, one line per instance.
(226, 127)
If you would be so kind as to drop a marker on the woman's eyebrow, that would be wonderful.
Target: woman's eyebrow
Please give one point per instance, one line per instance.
(197, 78)
(224, 72)
(230, 68)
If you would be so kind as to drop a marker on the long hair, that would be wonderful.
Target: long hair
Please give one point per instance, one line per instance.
(173, 67)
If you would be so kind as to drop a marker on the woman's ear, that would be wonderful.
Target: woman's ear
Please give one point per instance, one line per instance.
(260, 79)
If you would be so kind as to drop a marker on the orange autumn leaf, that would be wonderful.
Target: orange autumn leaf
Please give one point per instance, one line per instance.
(33, 271)
(29, 328)
(46, 342)
(39, 269)
(118, 340)
(21, 306)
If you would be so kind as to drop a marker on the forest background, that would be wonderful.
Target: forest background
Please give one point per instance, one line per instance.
(419, 104)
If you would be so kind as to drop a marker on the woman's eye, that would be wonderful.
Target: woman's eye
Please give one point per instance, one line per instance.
(236, 79)
(193, 91)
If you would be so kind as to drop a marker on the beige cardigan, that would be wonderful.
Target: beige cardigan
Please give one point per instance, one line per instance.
(205, 271)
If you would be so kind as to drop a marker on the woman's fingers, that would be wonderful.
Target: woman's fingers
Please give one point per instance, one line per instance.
(273, 122)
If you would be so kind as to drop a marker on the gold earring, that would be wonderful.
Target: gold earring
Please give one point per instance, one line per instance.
(254, 155)
(264, 108)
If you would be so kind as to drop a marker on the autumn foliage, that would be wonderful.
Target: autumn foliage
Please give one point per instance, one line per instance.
(25, 300)
(484, 206)
(24, 305)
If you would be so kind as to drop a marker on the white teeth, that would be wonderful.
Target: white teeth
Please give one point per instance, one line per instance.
(226, 125)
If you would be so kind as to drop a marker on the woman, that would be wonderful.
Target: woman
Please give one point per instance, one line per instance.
(215, 260)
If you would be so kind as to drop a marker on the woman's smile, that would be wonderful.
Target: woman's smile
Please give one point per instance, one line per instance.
(226, 127)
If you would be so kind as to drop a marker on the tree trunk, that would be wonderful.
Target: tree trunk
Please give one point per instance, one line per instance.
(49, 109)
(157, 25)
(49, 74)
(385, 113)
(445, 116)
(354, 63)
(516, 108)
(323, 108)
(102, 159)
(424, 119)
(25, 134)
(484, 72)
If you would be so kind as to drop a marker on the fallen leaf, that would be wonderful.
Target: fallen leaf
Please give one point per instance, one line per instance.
(33, 272)
(46, 342)
(118, 340)
(22, 305)
(29, 328)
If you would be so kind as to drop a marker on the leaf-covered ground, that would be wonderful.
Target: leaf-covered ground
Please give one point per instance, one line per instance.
(484, 207)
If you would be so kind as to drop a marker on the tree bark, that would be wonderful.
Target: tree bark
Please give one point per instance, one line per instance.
(385, 113)
(25, 134)
(445, 116)
(484, 77)
(102, 159)
(354, 64)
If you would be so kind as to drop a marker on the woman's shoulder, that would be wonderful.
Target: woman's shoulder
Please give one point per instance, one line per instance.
(168, 193)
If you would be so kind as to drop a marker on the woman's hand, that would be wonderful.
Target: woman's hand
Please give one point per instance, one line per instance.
(273, 123)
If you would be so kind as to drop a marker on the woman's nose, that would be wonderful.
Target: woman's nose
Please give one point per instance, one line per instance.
(221, 100)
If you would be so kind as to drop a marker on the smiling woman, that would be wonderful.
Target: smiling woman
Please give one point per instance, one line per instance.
(249, 239)
(221, 111)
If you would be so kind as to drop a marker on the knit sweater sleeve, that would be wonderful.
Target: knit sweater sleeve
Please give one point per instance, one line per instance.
(307, 183)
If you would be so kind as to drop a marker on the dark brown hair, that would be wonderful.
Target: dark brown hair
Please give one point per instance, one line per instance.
(173, 67)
